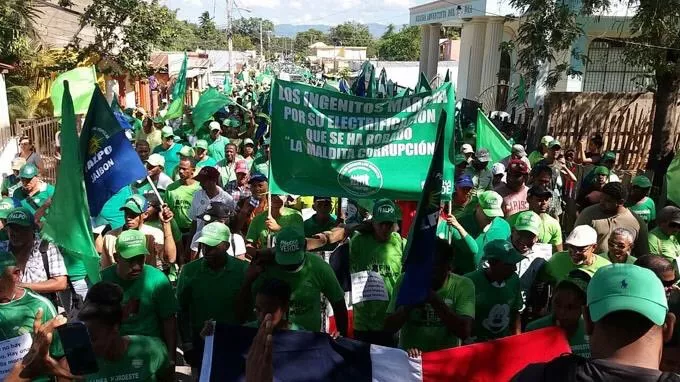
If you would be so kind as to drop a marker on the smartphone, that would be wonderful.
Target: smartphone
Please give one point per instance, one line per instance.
(77, 347)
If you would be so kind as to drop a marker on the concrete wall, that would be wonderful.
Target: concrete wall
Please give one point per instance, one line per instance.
(406, 73)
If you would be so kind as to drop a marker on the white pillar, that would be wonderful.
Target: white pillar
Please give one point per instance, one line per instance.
(433, 56)
(492, 54)
(476, 57)
(424, 47)
(464, 60)
(4, 107)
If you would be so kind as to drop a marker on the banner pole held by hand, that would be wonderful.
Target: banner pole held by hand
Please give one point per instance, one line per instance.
(155, 190)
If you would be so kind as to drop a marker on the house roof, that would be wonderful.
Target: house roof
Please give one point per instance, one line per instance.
(318, 44)
(57, 26)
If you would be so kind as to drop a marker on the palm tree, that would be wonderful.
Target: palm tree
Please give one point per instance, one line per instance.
(17, 21)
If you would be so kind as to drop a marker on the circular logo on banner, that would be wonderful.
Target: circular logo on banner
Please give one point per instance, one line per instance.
(360, 178)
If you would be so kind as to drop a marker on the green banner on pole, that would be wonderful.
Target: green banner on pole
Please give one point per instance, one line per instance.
(488, 137)
(329, 143)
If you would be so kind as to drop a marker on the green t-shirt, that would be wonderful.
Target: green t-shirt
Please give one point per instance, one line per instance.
(560, 264)
(578, 341)
(549, 232)
(206, 162)
(315, 277)
(260, 165)
(495, 306)
(171, 157)
(37, 200)
(312, 227)
(147, 301)
(179, 201)
(645, 209)
(424, 329)
(111, 211)
(10, 184)
(258, 232)
(216, 148)
(207, 294)
(228, 171)
(664, 245)
(465, 249)
(367, 254)
(136, 124)
(144, 359)
(499, 229)
(75, 267)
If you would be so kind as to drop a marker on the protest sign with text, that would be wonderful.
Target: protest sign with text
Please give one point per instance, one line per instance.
(328, 143)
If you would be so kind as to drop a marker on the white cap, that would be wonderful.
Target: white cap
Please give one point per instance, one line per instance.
(156, 160)
(214, 125)
(546, 140)
(497, 169)
(140, 110)
(582, 236)
(466, 149)
(519, 150)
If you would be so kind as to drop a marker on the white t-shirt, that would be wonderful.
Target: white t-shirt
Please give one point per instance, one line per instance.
(163, 181)
(236, 242)
(201, 202)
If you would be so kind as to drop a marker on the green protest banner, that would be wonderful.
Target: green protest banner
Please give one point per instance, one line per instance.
(329, 143)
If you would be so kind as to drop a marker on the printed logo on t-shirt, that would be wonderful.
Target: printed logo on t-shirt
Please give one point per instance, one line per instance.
(137, 363)
(498, 319)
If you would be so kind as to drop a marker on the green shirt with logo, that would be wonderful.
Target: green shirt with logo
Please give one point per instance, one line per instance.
(496, 304)
(578, 341)
(36, 200)
(664, 245)
(645, 209)
(147, 301)
(144, 359)
(258, 232)
(171, 157)
(10, 184)
(560, 264)
(424, 329)
(550, 231)
(316, 277)
(179, 201)
(367, 254)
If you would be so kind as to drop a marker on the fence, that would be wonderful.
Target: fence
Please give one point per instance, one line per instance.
(42, 132)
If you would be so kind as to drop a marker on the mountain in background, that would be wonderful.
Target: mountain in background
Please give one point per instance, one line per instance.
(290, 30)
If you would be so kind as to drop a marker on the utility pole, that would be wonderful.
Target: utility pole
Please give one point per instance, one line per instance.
(261, 51)
(230, 40)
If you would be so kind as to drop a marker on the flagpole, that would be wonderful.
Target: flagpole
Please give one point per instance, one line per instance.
(155, 190)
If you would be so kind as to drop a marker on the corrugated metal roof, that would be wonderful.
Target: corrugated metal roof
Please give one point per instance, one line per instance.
(57, 26)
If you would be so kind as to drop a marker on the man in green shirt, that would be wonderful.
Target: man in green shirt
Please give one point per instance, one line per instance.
(6, 205)
(375, 261)
(308, 275)
(261, 163)
(538, 155)
(549, 232)
(207, 289)
(498, 300)
(181, 192)
(217, 142)
(149, 303)
(227, 166)
(33, 193)
(581, 244)
(169, 150)
(486, 222)
(12, 181)
(263, 224)
(639, 201)
(322, 220)
(663, 240)
(202, 158)
(446, 316)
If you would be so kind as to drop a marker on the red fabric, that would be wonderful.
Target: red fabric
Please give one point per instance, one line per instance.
(408, 214)
(350, 323)
(494, 361)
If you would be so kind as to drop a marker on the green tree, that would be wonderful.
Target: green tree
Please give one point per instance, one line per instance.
(388, 32)
(401, 46)
(351, 34)
(304, 39)
(16, 29)
(250, 28)
(548, 29)
(242, 42)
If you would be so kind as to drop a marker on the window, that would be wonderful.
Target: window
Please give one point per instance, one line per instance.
(608, 71)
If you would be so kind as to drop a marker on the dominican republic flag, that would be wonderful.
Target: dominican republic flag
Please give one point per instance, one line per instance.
(300, 356)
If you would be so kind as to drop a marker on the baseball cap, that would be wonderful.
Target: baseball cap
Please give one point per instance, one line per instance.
(609, 156)
(601, 170)
(6, 260)
(519, 150)
(219, 210)
(156, 160)
(241, 167)
(257, 178)
(490, 202)
(201, 144)
(465, 181)
(528, 221)
(483, 155)
(466, 149)
(208, 173)
(627, 287)
(167, 132)
(582, 236)
(186, 151)
(554, 143)
(18, 163)
(20, 216)
(497, 169)
(518, 166)
(546, 140)
(214, 125)
(641, 181)
(322, 199)
(290, 247)
(214, 233)
(502, 250)
(670, 214)
(248, 141)
(28, 171)
(539, 191)
(384, 211)
(6, 205)
(131, 243)
(136, 203)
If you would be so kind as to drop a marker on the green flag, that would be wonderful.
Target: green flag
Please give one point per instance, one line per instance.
(331, 85)
(372, 90)
(176, 108)
(490, 138)
(673, 180)
(67, 223)
(447, 78)
(82, 82)
(423, 84)
(210, 101)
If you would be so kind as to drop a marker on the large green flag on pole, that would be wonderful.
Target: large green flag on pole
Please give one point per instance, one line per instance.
(423, 84)
(211, 101)
(673, 180)
(490, 138)
(67, 223)
(176, 108)
(227, 84)
(82, 81)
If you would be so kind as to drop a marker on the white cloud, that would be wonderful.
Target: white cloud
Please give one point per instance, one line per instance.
(398, 3)
(295, 4)
(193, 3)
(259, 3)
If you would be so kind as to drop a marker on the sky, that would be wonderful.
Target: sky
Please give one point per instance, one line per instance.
(302, 11)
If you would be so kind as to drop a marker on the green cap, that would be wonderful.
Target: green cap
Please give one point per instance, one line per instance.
(6, 205)
(502, 250)
(601, 170)
(135, 203)
(232, 122)
(290, 246)
(491, 202)
(167, 132)
(186, 151)
(609, 156)
(528, 221)
(619, 287)
(29, 171)
(20, 216)
(131, 243)
(384, 211)
(201, 144)
(554, 143)
(641, 181)
(6, 260)
(214, 233)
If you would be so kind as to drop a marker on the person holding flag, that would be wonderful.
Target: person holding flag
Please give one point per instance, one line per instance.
(169, 150)
(155, 166)
(485, 223)
(267, 223)
(34, 192)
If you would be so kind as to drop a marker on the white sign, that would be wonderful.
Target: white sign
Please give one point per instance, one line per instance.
(12, 351)
(368, 286)
(543, 251)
